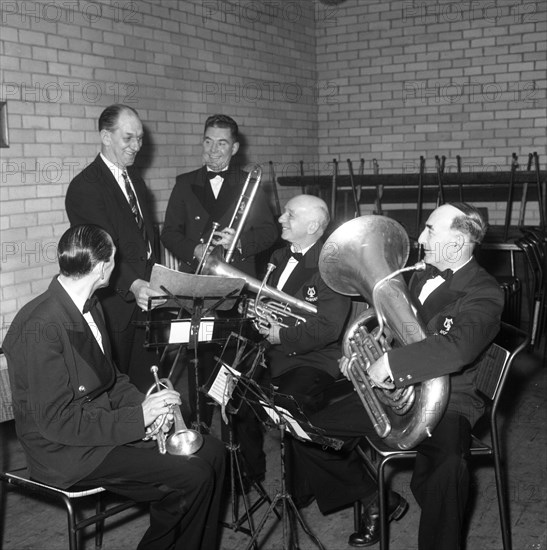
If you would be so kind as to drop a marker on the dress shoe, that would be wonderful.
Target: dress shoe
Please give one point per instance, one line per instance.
(369, 530)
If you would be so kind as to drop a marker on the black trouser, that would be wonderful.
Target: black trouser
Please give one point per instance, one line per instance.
(440, 481)
(184, 492)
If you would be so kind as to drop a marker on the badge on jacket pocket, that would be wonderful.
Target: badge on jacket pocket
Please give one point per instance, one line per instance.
(311, 293)
(446, 325)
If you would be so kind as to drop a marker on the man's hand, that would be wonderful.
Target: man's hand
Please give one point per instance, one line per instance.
(270, 331)
(159, 403)
(142, 291)
(380, 373)
(224, 237)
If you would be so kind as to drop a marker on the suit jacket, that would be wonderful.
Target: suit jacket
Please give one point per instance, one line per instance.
(462, 317)
(315, 343)
(71, 404)
(94, 196)
(192, 209)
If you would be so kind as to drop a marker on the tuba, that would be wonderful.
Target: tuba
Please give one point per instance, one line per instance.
(365, 256)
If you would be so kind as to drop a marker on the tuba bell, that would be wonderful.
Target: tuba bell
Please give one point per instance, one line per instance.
(366, 256)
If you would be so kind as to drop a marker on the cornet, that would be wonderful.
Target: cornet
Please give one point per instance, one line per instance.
(182, 441)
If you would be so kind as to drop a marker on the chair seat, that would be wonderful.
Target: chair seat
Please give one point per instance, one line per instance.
(20, 477)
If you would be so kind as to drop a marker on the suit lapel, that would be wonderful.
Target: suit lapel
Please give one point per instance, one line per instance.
(303, 271)
(218, 209)
(81, 338)
(447, 293)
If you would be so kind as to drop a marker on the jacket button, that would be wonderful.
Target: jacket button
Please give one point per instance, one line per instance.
(197, 218)
(81, 389)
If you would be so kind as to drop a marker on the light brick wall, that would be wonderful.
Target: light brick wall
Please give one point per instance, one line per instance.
(420, 77)
(176, 62)
(390, 80)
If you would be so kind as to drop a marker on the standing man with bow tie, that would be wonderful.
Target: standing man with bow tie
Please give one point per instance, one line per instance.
(462, 314)
(210, 194)
(111, 194)
(205, 196)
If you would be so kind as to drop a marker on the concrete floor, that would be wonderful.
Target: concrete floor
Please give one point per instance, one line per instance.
(31, 524)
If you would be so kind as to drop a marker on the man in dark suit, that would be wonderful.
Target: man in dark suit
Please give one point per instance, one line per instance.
(303, 357)
(81, 422)
(461, 310)
(202, 197)
(111, 194)
(210, 194)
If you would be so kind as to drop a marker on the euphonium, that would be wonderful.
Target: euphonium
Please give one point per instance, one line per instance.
(239, 217)
(365, 256)
(269, 302)
(182, 441)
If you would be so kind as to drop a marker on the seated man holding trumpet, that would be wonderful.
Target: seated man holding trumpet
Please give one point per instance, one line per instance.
(302, 356)
(82, 423)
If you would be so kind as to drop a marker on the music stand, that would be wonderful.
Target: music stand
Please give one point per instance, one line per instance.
(283, 412)
(201, 296)
(220, 387)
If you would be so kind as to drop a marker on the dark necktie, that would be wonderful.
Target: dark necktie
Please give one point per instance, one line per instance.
(297, 255)
(135, 207)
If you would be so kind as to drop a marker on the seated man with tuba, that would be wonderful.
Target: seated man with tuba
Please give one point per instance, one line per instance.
(460, 306)
(303, 356)
(82, 423)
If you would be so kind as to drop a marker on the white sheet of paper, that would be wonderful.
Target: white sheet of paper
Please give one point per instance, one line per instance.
(222, 387)
(288, 418)
(180, 331)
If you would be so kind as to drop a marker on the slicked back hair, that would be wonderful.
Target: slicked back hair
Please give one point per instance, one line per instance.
(81, 248)
(223, 121)
(109, 117)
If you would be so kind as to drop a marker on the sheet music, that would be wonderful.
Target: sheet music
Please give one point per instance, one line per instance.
(223, 385)
(288, 417)
(188, 286)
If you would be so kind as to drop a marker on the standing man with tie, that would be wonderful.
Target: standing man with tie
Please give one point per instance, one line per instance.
(302, 358)
(462, 314)
(81, 422)
(110, 193)
(209, 195)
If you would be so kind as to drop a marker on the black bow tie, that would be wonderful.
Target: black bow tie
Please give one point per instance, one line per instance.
(212, 175)
(297, 255)
(431, 272)
(90, 303)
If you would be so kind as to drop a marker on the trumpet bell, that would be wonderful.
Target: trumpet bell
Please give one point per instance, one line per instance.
(184, 442)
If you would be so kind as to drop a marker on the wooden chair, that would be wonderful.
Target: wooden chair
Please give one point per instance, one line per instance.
(18, 479)
(491, 378)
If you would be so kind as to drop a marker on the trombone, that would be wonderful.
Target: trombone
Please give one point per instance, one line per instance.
(239, 217)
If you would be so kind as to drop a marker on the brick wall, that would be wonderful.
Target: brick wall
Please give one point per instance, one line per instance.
(307, 81)
(405, 78)
(175, 62)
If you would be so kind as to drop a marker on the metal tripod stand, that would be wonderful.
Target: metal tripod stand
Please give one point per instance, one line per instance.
(289, 512)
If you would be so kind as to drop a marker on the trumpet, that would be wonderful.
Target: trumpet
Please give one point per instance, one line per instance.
(239, 217)
(182, 441)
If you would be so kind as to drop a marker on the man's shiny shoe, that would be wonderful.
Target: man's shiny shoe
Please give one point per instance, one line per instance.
(369, 530)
